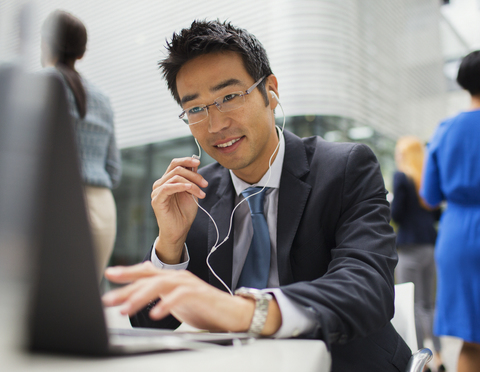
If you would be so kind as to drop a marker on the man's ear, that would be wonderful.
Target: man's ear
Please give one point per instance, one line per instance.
(271, 86)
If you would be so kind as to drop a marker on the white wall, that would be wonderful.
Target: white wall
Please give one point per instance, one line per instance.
(377, 62)
(464, 15)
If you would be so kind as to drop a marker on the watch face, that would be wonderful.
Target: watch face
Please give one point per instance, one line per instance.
(251, 292)
(254, 293)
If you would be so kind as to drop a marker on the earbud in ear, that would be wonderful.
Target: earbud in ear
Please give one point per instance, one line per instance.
(274, 95)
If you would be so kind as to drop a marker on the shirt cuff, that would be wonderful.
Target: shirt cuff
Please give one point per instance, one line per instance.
(295, 319)
(181, 266)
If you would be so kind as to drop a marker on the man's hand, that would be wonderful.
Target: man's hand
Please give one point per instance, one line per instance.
(174, 206)
(186, 297)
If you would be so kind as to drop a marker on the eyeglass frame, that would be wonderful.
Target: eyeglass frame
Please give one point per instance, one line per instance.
(218, 105)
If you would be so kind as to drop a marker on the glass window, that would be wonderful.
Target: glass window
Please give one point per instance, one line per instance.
(143, 165)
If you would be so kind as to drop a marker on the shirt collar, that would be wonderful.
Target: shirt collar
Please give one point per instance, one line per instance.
(276, 171)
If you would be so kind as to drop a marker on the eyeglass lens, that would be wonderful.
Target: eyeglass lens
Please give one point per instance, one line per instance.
(226, 103)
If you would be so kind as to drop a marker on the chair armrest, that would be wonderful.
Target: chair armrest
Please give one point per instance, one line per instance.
(418, 360)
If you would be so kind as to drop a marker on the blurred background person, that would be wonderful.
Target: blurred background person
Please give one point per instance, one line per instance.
(416, 235)
(63, 42)
(452, 173)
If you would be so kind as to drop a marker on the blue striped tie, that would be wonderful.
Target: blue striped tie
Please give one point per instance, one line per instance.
(257, 264)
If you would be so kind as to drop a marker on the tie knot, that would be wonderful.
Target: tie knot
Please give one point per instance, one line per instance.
(255, 202)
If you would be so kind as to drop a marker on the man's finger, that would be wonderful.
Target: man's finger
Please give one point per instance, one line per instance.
(184, 172)
(150, 290)
(167, 190)
(187, 162)
(128, 274)
(119, 296)
(169, 301)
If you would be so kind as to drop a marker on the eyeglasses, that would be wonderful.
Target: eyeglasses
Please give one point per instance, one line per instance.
(229, 102)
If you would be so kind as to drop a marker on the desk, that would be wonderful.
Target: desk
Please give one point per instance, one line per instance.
(263, 355)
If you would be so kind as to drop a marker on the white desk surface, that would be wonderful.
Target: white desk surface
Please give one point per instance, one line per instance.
(263, 355)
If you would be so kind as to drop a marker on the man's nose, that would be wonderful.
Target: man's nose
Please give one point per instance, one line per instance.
(217, 121)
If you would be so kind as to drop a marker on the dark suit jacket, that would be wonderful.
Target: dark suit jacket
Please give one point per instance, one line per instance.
(416, 225)
(335, 247)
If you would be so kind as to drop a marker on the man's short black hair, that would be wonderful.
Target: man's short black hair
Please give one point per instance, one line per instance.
(469, 73)
(205, 37)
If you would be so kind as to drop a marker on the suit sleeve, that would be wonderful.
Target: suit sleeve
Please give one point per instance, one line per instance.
(399, 197)
(355, 297)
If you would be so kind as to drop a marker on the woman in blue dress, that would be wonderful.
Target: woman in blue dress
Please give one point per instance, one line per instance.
(452, 174)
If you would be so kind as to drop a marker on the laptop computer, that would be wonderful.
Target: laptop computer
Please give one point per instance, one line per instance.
(65, 313)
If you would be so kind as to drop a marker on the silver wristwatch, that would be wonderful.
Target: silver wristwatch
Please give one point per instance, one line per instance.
(262, 300)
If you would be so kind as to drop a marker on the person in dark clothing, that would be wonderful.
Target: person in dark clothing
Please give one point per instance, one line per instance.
(416, 237)
(331, 251)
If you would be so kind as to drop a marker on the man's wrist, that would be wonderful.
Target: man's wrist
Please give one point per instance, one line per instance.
(170, 254)
(274, 318)
(185, 260)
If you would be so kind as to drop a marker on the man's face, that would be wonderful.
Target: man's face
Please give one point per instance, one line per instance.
(244, 139)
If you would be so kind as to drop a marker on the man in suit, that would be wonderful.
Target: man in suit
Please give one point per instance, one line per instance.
(331, 255)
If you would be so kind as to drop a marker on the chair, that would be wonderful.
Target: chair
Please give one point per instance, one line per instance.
(404, 323)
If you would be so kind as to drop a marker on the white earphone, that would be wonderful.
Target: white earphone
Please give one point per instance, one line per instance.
(217, 244)
(199, 150)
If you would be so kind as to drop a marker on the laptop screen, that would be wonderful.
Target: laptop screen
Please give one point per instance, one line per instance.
(64, 312)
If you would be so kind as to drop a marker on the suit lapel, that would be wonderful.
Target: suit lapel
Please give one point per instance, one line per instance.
(221, 260)
(292, 198)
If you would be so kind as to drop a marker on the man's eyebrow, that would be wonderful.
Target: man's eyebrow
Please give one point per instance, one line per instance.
(188, 98)
(225, 84)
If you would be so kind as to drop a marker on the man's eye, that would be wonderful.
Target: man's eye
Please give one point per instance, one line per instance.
(229, 97)
(195, 110)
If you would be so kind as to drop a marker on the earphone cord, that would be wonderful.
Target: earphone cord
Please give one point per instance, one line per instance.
(216, 245)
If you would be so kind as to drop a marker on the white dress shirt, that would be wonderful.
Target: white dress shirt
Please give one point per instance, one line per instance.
(295, 320)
